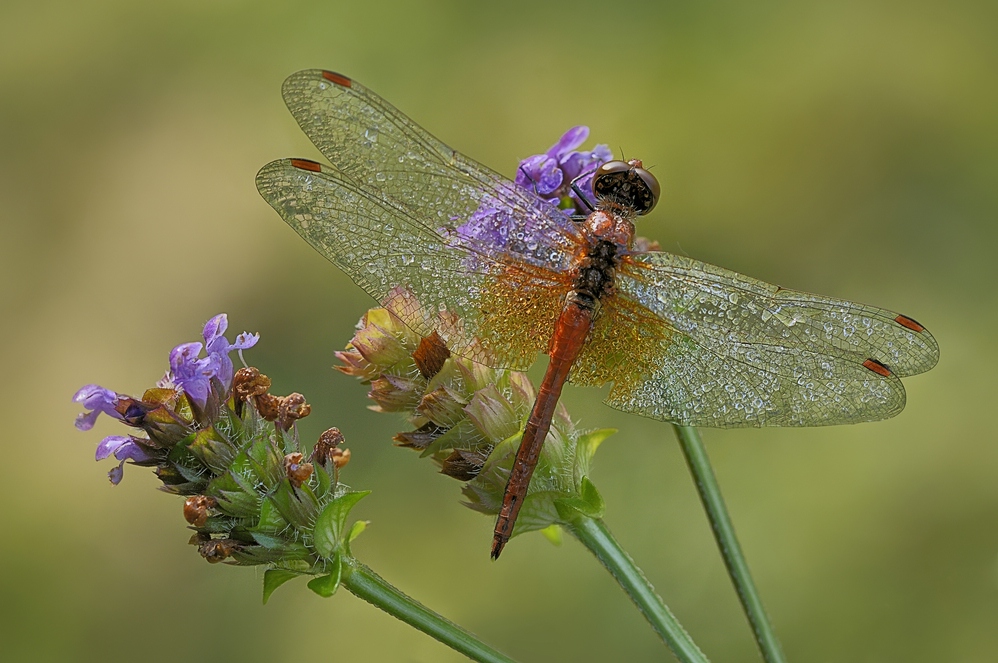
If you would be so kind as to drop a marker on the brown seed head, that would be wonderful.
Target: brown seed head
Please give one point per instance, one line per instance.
(463, 465)
(328, 441)
(292, 408)
(430, 355)
(340, 458)
(196, 509)
(298, 472)
(249, 382)
(216, 550)
(421, 437)
(268, 406)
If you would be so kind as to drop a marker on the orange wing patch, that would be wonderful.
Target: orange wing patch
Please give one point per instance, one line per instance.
(519, 309)
(625, 346)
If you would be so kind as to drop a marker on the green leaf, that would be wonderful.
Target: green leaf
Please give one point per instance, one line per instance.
(273, 579)
(325, 586)
(296, 506)
(323, 482)
(270, 518)
(464, 430)
(356, 529)
(588, 503)
(328, 534)
(592, 497)
(493, 415)
(589, 442)
(586, 448)
(553, 534)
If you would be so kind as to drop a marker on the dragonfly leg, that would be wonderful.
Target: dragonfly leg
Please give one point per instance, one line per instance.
(578, 191)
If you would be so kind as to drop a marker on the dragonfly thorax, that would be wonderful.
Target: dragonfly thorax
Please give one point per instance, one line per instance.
(609, 226)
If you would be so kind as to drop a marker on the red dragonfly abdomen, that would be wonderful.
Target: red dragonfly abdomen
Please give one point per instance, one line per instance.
(569, 336)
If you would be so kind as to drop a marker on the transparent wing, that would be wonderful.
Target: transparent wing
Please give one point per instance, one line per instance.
(729, 350)
(476, 296)
(380, 149)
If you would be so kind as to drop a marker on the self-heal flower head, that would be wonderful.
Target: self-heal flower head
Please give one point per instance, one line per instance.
(550, 175)
(469, 418)
(252, 497)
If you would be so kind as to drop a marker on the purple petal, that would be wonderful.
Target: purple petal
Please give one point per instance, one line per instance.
(85, 420)
(190, 373)
(245, 341)
(222, 367)
(215, 328)
(110, 445)
(601, 154)
(96, 398)
(133, 452)
(116, 473)
(571, 139)
(539, 173)
(196, 389)
(574, 165)
(184, 359)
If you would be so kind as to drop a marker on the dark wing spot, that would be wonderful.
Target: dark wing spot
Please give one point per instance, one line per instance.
(877, 367)
(338, 79)
(905, 321)
(307, 164)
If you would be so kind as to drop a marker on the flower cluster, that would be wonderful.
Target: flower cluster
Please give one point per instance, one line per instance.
(550, 175)
(219, 438)
(467, 417)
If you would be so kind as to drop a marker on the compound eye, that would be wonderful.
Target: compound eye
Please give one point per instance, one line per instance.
(612, 167)
(628, 184)
(652, 183)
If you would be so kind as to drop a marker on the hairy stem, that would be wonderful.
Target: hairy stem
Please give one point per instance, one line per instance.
(724, 532)
(595, 536)
(368, 585)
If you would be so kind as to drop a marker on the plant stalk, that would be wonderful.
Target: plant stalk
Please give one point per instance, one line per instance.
(364, 583)
(595, 536)
(727, 541)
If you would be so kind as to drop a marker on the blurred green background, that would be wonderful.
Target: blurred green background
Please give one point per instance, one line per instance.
(844, 148)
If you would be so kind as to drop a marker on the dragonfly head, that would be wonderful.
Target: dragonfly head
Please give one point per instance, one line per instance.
(627, 183)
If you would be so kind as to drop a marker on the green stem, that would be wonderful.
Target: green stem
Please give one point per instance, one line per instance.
(368, 585)
(595, 536)
(724, 532)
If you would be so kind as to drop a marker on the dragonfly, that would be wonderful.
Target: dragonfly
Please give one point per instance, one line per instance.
(680, 340)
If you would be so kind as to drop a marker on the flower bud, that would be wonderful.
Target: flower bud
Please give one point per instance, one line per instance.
(196, 509)
(293, 407)
(340, 458)
(217, 550)
(328, 442)
(298, 471)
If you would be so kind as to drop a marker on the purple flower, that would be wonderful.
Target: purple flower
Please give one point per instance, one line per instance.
(98, 399)
(193, 373)
(124, 448)
(218, 347)
(550, 174)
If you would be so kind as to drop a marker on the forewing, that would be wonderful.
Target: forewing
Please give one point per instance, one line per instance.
(436, 280)
(734, 351)
(380, 149)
